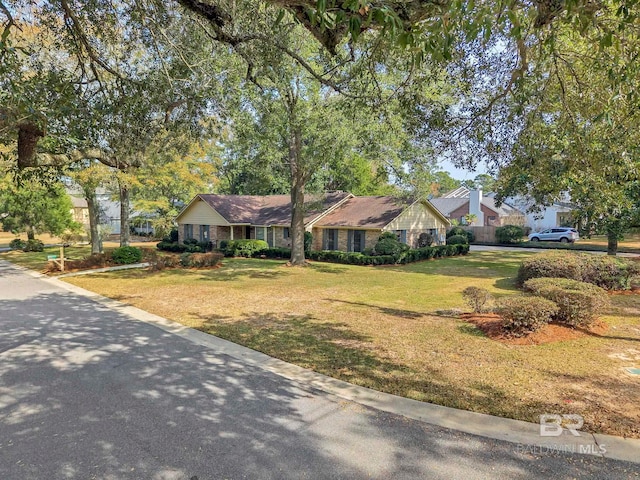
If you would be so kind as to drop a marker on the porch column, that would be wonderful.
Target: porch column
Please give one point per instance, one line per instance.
(231, 233)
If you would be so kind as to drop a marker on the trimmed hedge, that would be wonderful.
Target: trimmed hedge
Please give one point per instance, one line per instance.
(408, 256)
(509, 234)
(608, 272)
(245, 248)
(578, 302)
(524, 314)
(457, 240)
(126, 255)
(274, 253)
(189, 246)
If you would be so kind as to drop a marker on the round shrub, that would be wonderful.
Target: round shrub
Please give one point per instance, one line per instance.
(550, 264)
(425, 240)
(578, 303)
(17, 244)
(126, 255)
(33, 246)
(523, 314)
(509, 234)
(245, 248)
(461, 231)
(476, 298)
(457, 240)
(388, 244)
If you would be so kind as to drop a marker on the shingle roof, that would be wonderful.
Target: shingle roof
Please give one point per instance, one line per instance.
(365, 212)
(448, 205)
(269, 209)
(503, 210)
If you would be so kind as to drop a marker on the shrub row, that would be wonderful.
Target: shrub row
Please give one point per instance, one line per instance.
(408, 256)
(188, 246)
(608, 272)
(274, 253)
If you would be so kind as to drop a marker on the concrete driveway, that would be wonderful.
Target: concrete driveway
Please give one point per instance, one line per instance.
(89, 392)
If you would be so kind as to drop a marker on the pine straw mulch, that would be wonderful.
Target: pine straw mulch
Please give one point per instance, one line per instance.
(491, 325)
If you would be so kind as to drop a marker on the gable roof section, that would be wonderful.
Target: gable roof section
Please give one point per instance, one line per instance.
(503, 210)
(448, 205)
(266, 210)
(365, 212)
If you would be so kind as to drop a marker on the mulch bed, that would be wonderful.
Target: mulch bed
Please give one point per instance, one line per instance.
(491, 326)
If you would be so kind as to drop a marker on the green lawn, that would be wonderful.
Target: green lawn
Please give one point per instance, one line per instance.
(390, 328)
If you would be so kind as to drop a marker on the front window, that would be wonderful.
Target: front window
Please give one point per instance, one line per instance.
(402, 236)
(204, 233)
(330, 239)
(188, 231)
(285, 232)
(356, 240)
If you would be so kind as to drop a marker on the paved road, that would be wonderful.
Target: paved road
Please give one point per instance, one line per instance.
(498, 248)
(87, 392)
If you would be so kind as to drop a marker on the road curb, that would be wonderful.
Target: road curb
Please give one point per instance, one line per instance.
(524, 435)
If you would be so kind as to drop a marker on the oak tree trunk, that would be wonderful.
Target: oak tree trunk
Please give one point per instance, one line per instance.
(94, 222)
(612, 242)
(124, 214)
(298, 180)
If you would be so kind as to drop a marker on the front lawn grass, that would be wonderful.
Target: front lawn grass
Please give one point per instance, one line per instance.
(389, 328)
(38, 260)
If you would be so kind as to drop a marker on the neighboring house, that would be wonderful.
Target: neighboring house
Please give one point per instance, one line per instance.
(459, 203)
(338, 220)
(559, 214)
(80, 210)
(109, 210)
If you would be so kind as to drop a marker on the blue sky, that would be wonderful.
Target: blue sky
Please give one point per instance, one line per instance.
(459, 173)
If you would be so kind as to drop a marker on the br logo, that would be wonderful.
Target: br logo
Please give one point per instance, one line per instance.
(552, 425)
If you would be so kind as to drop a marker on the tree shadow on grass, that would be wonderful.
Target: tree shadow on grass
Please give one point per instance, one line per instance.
(336, 350)
(611, 401)
(508, 283)
(326, 267)
(81, 381)
(395, 312)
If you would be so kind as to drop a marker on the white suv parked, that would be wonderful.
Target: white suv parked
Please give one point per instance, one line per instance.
(555, 234)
